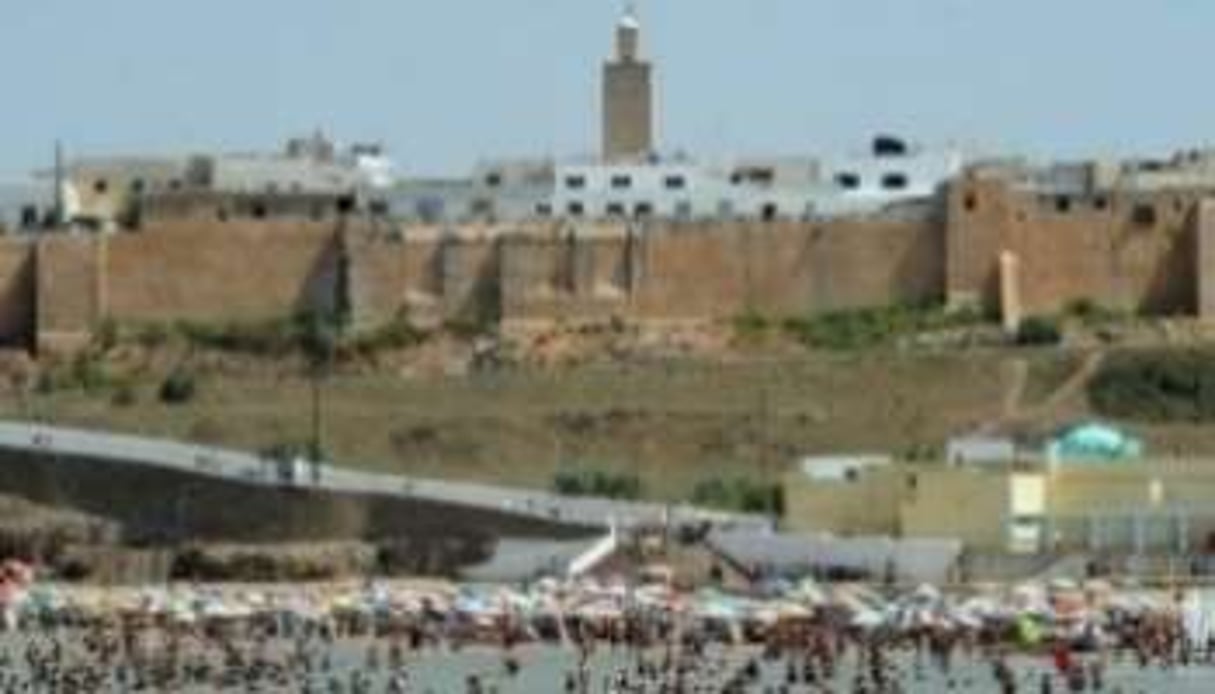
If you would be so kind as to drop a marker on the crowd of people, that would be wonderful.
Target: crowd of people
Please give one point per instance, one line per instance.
(644, 651)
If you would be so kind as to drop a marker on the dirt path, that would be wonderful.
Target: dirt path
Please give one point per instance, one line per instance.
(1016, 377)
(1015, 410)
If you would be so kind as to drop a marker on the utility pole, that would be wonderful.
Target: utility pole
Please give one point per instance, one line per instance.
(314, 454)
(765, 462)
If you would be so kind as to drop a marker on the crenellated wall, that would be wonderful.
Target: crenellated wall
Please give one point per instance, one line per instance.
(1123, 250)
(1131, 251)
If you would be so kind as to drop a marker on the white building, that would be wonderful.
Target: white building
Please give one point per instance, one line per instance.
(681, 188)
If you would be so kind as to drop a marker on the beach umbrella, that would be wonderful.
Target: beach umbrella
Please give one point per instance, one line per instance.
(867, 619)
(1028, 631)
(17, 571)
(808, 590)
(11, 593)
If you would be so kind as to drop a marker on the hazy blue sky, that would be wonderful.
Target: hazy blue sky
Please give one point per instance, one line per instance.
(445, 82)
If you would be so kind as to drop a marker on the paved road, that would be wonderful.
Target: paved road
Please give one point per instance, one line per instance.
(51, 441)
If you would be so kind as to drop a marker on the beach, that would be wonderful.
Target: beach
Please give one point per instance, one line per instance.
(585, 637)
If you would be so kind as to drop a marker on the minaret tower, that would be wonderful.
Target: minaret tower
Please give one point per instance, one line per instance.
(628, 102)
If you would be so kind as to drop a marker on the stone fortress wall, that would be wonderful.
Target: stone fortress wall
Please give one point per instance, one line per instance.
(1138, 252)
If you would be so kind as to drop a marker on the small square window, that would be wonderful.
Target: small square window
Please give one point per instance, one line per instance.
(643, 209)
(482, 206)
(544, 209)
(622, 182)
(1144, 215)
(575, 182)
(848, 181)
(575, 209)
(493, 179)
(676, 182)
(614, 209)
(894, 181)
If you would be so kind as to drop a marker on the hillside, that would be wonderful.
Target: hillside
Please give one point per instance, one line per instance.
(676, 407)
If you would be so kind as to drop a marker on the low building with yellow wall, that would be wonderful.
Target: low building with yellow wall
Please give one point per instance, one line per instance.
(1144, 507)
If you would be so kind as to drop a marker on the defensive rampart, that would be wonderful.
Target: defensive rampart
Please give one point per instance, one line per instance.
(1138, 252)
(1129, 251)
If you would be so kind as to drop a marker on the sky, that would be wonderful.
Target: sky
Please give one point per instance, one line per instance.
(445, 83)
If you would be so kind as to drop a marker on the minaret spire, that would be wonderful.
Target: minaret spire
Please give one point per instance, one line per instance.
(628, 33)
(628, 102)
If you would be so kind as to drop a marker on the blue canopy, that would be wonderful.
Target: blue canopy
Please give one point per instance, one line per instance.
(1093, 441)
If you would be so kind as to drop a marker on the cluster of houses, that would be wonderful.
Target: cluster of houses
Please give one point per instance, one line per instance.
(1088, 489)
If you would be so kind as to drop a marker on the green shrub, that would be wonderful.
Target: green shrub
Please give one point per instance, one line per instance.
(106, 335)
(88, 373)
(1091, 313)
(1038, 331)
(152, 335)
(178, 388)
(1156, 385)
(751, 325)
(397, 334)
(125, 395)
(740, 494)
(873, 327)
(600, 483)
(269, 338)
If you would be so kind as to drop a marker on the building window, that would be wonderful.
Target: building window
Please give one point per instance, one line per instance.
(29, 217)
(848, 180)
(894, 181)
(575, 182)
(1100, 202)
(138, 186)
(1144, 215)
(770, 212)
(175, 184)
(643, 209)
(575, 209)
(430, 209)
(544, 209)
(493, 179)
(622, 182)
(676, 183)
(1063, 203)
(482, 207)
(101, 186)
(970, 202)
(614, 209)
(683, 209)
(888, 146)
(760, 176)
